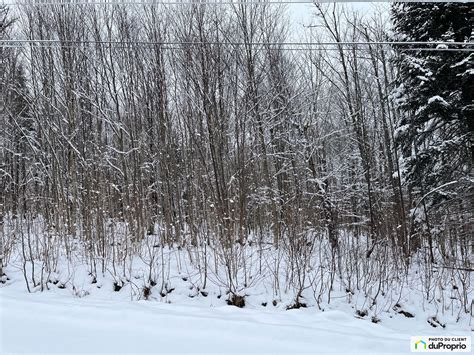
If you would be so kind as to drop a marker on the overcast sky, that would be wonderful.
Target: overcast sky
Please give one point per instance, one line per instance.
(302, 14)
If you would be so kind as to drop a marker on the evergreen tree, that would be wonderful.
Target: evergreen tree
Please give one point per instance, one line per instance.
(435, 94)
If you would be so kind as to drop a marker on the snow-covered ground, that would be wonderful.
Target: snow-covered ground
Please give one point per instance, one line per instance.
(51, 323)
(71, 310)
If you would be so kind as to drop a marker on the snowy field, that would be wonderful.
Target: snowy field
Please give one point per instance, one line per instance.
(76, 313)
(51, 323)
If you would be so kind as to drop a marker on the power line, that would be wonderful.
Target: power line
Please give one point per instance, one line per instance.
(184, 2)
(198, 43)
(156, 3)
(168, 47)
(189, 2)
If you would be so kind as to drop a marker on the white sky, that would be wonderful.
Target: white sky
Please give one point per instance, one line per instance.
(302, 14)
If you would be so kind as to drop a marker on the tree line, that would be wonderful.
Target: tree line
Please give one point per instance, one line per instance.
(199, 126)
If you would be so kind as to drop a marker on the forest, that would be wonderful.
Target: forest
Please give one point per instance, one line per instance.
(145, 146)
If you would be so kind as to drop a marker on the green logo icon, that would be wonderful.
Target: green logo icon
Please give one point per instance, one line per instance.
(420, 342)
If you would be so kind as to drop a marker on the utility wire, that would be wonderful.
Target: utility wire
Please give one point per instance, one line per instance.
(169, 2)
(189, 2)
(198, 43)
(168, 47)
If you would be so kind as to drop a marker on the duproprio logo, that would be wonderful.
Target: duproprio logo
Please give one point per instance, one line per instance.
(440, 344)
